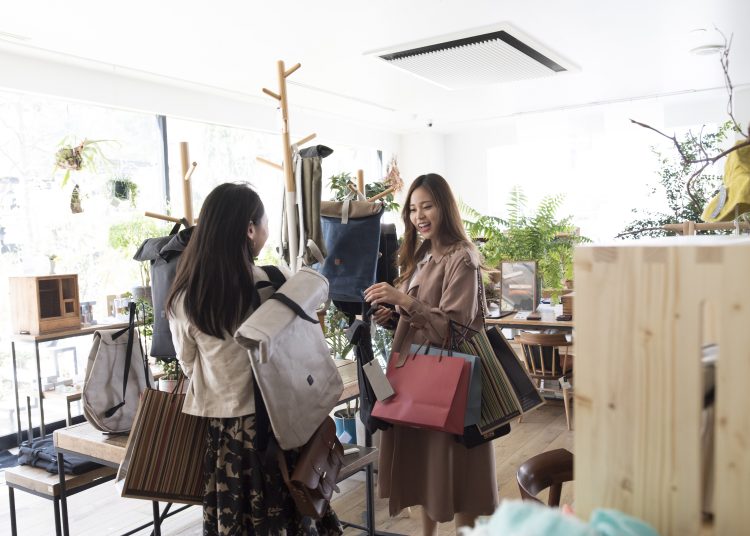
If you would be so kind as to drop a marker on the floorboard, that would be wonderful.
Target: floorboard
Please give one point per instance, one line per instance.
(101, 511)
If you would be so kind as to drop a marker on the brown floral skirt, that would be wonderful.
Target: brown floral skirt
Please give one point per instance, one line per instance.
(245, 494)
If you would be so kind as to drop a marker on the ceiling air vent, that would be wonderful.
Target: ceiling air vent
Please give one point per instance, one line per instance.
(476, 58)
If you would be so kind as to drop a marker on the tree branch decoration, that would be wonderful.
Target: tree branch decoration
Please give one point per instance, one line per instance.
(703, 159)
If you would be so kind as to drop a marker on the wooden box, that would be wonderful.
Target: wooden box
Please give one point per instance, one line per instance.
(40, 304)
(644, 311)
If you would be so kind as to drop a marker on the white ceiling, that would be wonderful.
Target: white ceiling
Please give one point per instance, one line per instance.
(624, 50)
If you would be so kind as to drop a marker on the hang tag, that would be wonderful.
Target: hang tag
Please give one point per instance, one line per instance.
(380, 384)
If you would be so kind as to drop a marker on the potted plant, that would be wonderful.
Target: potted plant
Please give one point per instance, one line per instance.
(122, 188)
(542, 237)
(75, 157)
(172, 374)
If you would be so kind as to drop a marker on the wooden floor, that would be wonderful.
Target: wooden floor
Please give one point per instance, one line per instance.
(100, 511)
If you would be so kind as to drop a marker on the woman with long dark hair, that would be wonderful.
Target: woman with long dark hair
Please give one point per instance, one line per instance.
(214, 291)
(437, 284)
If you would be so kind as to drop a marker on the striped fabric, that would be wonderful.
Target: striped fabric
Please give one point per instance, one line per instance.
(165, 452)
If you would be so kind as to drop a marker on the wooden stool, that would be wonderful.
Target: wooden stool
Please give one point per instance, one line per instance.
(42, 483)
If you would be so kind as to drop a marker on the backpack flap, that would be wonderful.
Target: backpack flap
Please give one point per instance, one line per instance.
(307, 289)
(320, 461)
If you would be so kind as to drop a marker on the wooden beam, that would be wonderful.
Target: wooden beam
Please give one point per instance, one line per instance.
(161, 217)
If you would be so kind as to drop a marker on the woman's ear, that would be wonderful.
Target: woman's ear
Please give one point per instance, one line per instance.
(251, 231)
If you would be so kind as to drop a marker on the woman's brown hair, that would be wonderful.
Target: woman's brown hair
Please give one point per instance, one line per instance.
(214, 273)
(451, 230)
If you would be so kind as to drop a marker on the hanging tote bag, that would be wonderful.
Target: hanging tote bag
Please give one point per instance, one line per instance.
(116, 375)
(291, 361)
(165, 451)
(431, 392)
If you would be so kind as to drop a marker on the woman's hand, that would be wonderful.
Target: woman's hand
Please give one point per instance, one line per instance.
(381, 293)
(383, 316)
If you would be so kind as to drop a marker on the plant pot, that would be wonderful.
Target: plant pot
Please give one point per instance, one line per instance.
(141, 293)
(120, 190)
(344, 423)
(170, 385)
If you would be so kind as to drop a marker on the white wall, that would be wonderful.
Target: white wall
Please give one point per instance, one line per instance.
(99, 84)
(593, 155)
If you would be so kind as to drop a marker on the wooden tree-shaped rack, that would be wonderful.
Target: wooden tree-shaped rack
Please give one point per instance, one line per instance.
(287, 167)
(187, 189)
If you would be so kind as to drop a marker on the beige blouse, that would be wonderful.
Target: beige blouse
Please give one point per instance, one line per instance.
(219, 369)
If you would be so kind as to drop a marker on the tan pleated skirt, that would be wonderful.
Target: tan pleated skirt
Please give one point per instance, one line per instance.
(431, 469)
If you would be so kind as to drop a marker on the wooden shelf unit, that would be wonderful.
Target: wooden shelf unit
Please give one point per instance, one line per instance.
(43, 304)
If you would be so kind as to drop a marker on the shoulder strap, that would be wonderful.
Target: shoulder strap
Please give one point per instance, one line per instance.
(274, 274)
(128, 355)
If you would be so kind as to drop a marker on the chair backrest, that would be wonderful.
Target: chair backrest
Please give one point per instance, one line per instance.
(546, 470)
(542, 354)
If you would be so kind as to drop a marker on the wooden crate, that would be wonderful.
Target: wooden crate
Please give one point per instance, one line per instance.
(41, 304)
(643, 309)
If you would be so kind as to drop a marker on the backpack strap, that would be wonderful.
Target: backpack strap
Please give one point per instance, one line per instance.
(274, 274)
(128, 355)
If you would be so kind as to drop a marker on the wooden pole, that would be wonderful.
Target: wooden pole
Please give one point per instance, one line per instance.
(290, 195)
(187, 192)
(381, 194)
(287, 148)
(162, 217)
(361, 180)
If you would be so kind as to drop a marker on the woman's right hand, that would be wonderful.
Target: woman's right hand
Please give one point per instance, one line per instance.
(383, 316)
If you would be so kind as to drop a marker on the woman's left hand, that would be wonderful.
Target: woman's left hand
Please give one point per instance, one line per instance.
(380, 293)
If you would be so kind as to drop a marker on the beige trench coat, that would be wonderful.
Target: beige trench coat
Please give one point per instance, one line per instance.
(425, 467)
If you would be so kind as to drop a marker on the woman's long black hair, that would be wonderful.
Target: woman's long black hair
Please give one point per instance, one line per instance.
(214, 273)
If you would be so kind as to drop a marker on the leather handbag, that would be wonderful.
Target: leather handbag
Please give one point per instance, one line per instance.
(313, 480)
(116, 375)
(291, 360)
(165, 451)
(430, 392)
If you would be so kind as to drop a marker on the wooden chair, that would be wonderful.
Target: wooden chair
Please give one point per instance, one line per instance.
(546, 470)
(548, 361)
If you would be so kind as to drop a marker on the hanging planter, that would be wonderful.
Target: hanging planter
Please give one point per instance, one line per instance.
(75, 200)
(71, 157)
(123, 189)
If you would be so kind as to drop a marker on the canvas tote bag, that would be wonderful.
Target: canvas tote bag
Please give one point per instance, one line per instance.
(291, 360)
(116, 375)
(165, 451)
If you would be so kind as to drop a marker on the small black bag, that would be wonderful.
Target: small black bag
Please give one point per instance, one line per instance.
(42, 453)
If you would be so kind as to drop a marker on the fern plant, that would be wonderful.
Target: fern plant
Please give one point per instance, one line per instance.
(541, 237)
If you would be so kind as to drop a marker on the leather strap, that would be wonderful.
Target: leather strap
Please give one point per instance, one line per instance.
(294, 306)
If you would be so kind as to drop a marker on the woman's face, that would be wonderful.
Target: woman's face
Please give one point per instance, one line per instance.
(423, 213)
(258, 234)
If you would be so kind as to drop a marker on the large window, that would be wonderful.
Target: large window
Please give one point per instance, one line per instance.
(95, 236)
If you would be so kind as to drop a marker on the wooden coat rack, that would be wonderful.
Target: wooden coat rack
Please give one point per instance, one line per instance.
(187, 189)
(287, 166)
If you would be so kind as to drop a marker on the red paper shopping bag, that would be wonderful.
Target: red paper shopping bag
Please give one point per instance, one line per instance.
(430, 393)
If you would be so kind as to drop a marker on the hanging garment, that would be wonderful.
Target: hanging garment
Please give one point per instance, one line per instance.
(308, 176)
